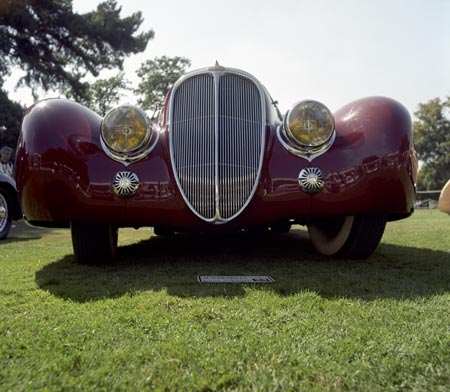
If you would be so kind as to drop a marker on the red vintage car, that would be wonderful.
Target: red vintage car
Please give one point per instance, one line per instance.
(221, 157)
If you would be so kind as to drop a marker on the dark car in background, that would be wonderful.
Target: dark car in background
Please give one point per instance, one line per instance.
(9, 204)
(220, 158)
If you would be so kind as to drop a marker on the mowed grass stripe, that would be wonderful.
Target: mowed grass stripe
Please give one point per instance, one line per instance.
(145, 323)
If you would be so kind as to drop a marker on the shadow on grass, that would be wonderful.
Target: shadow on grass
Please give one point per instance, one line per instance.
(172, 264)
(21, 232)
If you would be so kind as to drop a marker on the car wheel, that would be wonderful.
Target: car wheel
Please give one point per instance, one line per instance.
(162, 231)
(94, 243)
(351, 237)
(5, 213)
(280, 228)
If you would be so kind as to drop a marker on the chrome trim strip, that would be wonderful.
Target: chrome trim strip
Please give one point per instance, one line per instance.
(217, 74)
(217, 216)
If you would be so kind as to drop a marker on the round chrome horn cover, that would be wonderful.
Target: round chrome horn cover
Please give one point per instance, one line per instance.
(311, 179)
(125, 184)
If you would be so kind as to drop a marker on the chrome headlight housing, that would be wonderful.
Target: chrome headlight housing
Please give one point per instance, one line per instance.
(126, 133)
(308, 128)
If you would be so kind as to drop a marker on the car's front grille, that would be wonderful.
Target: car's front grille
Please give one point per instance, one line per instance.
(217, 140)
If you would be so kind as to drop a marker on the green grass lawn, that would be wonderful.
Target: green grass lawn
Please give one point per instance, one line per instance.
(144, 323)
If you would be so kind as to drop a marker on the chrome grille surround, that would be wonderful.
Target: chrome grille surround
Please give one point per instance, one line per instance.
(216, 125)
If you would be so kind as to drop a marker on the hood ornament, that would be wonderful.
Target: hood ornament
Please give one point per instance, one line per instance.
(216, 67)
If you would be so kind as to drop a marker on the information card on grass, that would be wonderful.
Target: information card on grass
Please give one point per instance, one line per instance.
(234, 279)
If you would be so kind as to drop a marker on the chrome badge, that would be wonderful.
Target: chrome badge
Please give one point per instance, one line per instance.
(311, 179)
(125, 183)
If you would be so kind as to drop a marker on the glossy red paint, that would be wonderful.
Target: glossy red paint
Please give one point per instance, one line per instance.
(63, 174)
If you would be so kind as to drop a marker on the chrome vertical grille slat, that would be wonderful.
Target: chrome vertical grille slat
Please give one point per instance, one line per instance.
(240, 136)
(217, 123)
(192, 133)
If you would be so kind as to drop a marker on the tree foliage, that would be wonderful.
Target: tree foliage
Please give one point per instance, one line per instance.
(432, 142)
(157, 76)
(11, 114)
(102, 95)
(56, 46)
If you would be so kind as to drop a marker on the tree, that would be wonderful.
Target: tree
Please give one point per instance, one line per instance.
(157, 76)
(56, 47)
(11, 114)
(432, 142)
(102, 95)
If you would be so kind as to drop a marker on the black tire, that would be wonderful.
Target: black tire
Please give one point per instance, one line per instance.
(94, 243)
(163, 232)
(5, 213)
(351, 237)
(281, 228)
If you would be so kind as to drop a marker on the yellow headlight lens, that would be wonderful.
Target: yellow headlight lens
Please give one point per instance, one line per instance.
(309, 123)
(125, 129)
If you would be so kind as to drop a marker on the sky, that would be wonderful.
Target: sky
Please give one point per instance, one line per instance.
(328, 50)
